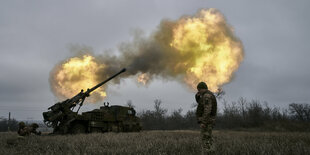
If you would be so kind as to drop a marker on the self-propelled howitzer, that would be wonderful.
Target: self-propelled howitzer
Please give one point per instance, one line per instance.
(61, 115)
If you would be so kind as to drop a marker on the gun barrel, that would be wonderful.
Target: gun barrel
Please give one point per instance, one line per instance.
(105, 81)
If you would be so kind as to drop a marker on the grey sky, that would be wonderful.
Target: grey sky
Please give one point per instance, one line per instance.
(35, 35)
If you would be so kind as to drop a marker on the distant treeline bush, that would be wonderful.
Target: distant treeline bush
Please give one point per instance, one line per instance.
(238, 115)
(6, 125)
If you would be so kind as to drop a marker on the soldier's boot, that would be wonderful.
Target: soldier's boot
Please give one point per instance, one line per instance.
(205, 151)
(211, 151)
(207, 147)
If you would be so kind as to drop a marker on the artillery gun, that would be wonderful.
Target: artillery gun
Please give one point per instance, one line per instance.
(62, 118)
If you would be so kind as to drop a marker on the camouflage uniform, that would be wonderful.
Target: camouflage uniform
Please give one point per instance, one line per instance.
(24, 130)
(206, 113)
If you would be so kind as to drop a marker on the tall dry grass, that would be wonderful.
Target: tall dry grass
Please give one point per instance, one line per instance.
(158, 142)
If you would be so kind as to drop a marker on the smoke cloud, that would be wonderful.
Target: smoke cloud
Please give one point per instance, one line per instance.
(191, 49)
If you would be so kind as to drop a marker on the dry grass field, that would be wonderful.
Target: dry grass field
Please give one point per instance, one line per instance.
(158, 142)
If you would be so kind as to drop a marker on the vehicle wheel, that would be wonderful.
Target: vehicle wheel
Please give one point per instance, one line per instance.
(96, 130)
(78, 129)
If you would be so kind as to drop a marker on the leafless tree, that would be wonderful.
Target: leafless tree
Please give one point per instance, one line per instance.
(159, 111)
(300, 111)
(242, 103)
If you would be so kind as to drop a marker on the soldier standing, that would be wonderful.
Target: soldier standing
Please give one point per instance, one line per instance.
(206, 113)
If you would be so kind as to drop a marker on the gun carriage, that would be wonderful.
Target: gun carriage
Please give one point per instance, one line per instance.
(63, 119)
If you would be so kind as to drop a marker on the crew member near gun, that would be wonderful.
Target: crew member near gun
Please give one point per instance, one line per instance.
(24, 130)
(206, 113)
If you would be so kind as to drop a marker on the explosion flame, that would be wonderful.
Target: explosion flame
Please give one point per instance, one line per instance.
(207, 38)
(191, 49)
(143, 78)
(76, 74)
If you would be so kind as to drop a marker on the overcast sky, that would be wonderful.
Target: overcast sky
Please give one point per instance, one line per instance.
(35, 35)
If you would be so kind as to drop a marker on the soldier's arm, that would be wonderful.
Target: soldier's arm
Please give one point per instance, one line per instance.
(197, 97)
(22, 132)
(37, 132)
(199, 112)
(214, 106)
(34, 130)
(27, 131)
(207, 102)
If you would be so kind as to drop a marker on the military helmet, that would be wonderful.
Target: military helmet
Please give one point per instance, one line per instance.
(202, 85)
(21, 124)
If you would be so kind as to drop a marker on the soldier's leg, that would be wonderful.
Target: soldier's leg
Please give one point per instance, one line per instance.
(210, 128)
(207, 140)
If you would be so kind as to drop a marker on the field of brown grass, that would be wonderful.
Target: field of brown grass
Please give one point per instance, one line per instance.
(158, 142)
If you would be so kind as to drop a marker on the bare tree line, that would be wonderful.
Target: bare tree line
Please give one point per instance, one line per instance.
(242, 114)
(6, 124)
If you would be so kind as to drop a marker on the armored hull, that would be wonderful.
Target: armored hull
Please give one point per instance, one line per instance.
(106, 119)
